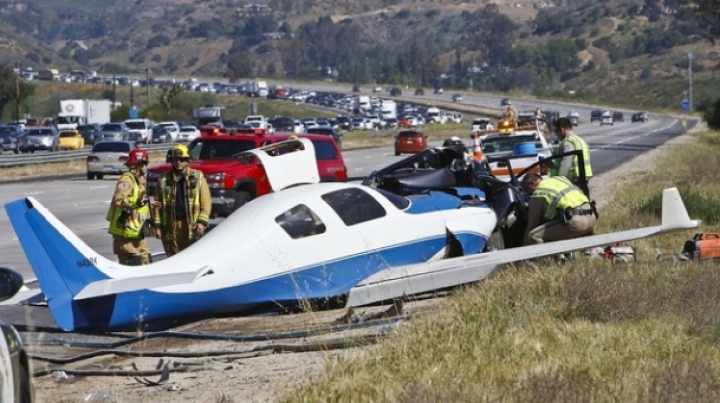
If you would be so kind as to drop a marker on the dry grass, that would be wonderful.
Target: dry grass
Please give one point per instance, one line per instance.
(591, 331)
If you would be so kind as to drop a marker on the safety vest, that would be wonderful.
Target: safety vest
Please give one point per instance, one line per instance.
(132, 225)
(578, 144)
(559, 194)
(192, 206)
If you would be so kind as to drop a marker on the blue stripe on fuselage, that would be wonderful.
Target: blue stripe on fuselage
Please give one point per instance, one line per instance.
(324, 280)
(437, 200)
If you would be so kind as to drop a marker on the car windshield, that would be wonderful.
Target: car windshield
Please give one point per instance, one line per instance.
(188, 129)
(506, 143)
(7, 130)
(409, 134)
(111, 147)
(39, 132)
(68, 134)
(136, 125)
(204, 149)
(112, 127)
(83, 128)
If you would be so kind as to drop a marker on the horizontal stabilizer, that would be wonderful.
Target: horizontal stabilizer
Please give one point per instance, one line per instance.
(118, 285)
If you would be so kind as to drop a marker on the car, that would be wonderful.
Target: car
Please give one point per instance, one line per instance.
(390, 123)
(639, 117)
(617, 116)
(574, 117)
(16, 385)
(344, 122)
(419, 91)
(108, 158)
(410, 142)
(395, 92)
(39, 138)
(377, 88)
(282, 123)
(505, 102)
(481, 124)
(160, 134)
(70, 140)
(10, 137)
(456, 98)
(90, 132)
(114, 131)
(606, 118)
(438, 90)
(188, 133)
(595, 115)
(327, 131)
(172, 127)
(356, 88)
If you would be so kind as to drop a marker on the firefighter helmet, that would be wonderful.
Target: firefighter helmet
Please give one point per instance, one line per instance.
(137, 156)
(180, 151)
(293, 137)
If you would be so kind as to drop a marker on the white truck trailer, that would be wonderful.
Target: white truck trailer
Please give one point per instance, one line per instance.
(74, 112)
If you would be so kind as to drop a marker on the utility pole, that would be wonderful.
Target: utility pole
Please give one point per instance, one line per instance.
(113, 92)
(690, 97)
(102, 83)
(132, 95)
(147, 84)
(17, 93)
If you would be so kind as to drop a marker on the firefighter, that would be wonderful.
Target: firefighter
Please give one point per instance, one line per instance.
(295, 146)
(569, 166)
(129, 213)
(558, 210)
(510, 112)
(182, 204)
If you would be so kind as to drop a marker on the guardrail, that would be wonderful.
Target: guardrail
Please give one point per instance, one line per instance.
(44, 157)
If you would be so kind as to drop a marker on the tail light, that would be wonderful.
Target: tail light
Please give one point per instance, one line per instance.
(122, 158)
(92, 158)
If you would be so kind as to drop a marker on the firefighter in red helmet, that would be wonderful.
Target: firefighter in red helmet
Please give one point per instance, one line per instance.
(129, 213)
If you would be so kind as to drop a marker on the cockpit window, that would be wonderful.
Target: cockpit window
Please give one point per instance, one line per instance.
(300, 222)
(354, 206)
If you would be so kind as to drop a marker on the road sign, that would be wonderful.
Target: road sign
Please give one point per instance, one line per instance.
(471, 83)
(133, 113)
(685, 105)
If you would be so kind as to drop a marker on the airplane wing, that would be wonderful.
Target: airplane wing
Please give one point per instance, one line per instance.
(415, 279)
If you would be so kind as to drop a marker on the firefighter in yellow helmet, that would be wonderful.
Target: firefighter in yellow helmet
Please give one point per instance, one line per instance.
(182, 204)
(510, 112)
(129, 213)
(297, 146)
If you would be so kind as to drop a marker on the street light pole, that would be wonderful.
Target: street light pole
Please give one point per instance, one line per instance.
(690, 97)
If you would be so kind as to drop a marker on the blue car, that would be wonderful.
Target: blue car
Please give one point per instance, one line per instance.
(10, 138)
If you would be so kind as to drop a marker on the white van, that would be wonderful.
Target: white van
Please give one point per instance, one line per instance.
(481, 124)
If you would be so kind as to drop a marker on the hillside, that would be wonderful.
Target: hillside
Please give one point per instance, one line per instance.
(594, 50)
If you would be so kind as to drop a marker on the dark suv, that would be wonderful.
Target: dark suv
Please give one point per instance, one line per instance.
(595, 115)
(617, 116)
(90, 132)
(10, 137)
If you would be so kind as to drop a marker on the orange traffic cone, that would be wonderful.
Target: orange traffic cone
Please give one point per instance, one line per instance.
(477, 150)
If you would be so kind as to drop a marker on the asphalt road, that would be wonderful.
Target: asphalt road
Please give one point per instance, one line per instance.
(82, 204)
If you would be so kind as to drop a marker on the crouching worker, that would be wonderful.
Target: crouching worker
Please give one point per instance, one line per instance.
(129, 213)
(558, 210)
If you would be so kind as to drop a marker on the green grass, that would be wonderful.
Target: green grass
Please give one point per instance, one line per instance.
(590, 331)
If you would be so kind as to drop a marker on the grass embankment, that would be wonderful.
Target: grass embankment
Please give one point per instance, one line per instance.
(590, 331)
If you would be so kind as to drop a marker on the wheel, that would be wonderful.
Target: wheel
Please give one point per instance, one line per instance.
(99, 176)
(241, 197)
(397, 154)
(15, 151)
(495, 241)
(90, 176)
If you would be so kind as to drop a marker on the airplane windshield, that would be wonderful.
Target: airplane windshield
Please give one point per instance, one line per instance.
(300, 222)
(354, 206)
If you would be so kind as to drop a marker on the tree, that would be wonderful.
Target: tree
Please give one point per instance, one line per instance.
(12, 89)
(241, 64)
(167, 95)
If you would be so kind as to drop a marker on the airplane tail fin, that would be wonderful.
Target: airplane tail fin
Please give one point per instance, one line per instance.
(62, 262)
(674, 214)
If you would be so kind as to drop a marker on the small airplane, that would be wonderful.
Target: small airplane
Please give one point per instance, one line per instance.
(306, 241)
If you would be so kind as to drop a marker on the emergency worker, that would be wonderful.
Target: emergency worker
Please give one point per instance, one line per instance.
(558, 210)
(296, 146)
(510, 112)
(569, 166)
(129, 213)
(182, 204)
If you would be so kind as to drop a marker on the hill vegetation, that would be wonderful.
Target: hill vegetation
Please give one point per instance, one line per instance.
(582, 49)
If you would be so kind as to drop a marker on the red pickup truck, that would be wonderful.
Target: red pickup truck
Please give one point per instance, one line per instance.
(234, 182)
